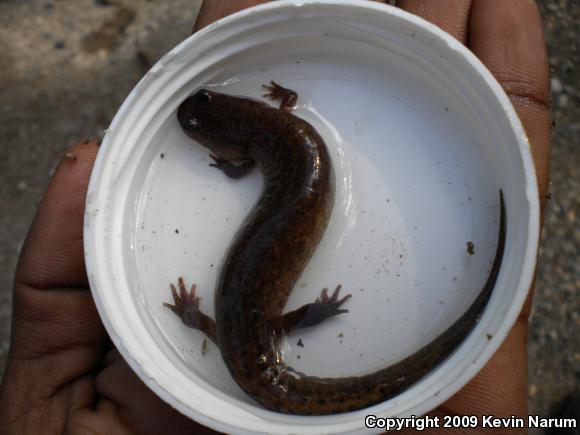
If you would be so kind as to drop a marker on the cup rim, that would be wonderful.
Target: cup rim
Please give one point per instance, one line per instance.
(94, 265)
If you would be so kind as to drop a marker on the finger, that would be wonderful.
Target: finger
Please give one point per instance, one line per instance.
(171, 307)
(174, 293)
(450, 15)
(508, 38)
(500, 388)
(52, 255)
(102, 420)
(182, 289)
(334, 296)
(344, 299)
(132, 399)
(57, 337)
(213, 10)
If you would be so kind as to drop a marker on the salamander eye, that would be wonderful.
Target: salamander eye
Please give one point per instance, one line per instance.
(202, 96)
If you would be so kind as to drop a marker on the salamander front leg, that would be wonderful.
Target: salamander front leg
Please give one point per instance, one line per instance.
(231, 170)
(287, 97)
(186, 306)
(313, 314)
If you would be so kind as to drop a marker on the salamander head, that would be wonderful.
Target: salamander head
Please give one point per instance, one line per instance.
(216, 121)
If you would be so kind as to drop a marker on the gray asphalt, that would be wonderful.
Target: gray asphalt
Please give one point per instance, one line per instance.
(66, 66)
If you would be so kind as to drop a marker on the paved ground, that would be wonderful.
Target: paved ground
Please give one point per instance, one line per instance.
(554, 351)
(66, 66)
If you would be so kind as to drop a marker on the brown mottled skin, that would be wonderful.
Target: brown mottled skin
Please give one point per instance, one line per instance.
(272, 249)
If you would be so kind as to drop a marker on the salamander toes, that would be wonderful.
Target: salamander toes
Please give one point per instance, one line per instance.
(330, 305)
(183, 301)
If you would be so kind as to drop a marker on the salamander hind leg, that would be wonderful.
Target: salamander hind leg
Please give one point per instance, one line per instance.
(186, 306)
(287, 97)
(312, 314)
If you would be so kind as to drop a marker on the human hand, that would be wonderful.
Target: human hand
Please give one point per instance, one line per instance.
(508, 38)
(63, 377)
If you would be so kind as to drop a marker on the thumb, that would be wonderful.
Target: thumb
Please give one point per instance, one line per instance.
(56, 332)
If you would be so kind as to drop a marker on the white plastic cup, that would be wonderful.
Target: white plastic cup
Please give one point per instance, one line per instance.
(421, 136)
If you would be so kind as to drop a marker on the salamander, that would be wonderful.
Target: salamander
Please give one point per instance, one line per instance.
(272, 248)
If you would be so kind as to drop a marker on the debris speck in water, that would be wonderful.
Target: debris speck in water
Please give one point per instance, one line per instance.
(470, 248)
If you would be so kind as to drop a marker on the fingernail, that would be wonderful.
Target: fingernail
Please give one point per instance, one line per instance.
(70, 156)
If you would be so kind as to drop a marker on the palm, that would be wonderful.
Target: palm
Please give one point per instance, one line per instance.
(63, 377)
